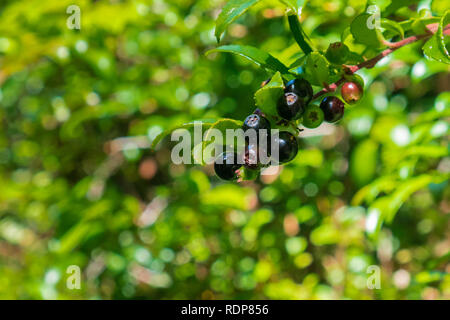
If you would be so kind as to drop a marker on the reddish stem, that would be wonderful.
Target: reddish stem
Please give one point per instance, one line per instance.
(372, 62)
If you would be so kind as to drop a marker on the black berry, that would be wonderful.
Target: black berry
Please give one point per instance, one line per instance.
(251, 160)
(287, 147)
(302, 88)
(257, 122)
(226, 166)
(333, 108)
(253, 156)
(290, 106)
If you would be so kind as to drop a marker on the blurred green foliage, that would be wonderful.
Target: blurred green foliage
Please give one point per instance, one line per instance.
(79, 184)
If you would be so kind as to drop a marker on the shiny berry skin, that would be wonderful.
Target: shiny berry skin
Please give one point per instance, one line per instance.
(302, 88)
(257, 122)
(313, 117)
(337, 53)
(351, 92)
(287, 147)
(225, 170)
(333, 108)
(290, 106)
(257, 156)
(251, 157)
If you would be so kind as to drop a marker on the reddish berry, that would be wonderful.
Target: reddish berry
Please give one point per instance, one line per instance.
(351, 92)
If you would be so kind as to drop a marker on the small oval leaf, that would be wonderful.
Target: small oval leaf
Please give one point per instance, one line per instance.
(365, 31)
(435, 48)
(189, 125)
(255, 55)
(266, 97)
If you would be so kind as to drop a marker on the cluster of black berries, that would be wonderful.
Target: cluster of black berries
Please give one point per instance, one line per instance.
(292, 105)
(295, 104)
(227, 165)
(298, 93)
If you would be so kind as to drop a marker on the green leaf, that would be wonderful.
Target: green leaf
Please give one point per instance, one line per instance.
(429, 276)
(363, 163)
(397, 4)
(381, 4)
(232, 10)
(325, 234)
(315, 69)
(222, 125)
(431, 151)
(299, 35)
(408, 24)
(295, 5)
(345, 34)
(297, 63)
(364, 32)
(266, 97)
(255, 55)
(369, 192)
(392, 26)
(439, 6)
(228, 196)
(385, 208)
(434, 48)
(189, 125)
(404, 191)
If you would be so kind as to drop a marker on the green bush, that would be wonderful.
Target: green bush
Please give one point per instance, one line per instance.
(81, 185)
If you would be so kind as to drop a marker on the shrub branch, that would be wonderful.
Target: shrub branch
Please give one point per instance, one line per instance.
(349, 70)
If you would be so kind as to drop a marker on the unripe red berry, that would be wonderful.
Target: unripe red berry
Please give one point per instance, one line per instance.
(351, 92)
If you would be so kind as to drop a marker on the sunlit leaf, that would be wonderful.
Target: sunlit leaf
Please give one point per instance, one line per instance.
(190, 125)
(435, 47)
(266, 97)
(366, 32)
(392, 26)
(255, 55)
(295, 5)
(316, 69)
(232, 10)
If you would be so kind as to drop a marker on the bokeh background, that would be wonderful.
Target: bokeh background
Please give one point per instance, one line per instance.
(79, 184)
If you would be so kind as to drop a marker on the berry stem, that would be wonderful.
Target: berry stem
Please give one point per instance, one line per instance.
(432, 28)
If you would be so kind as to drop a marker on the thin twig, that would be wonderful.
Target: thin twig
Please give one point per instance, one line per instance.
(349, 70)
